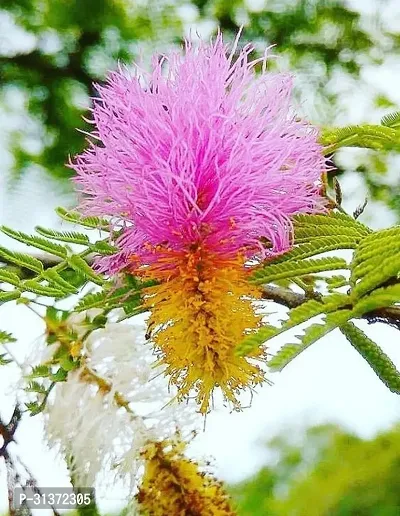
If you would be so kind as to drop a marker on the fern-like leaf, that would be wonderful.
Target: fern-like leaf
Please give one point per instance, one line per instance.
(4, 360)
(5, 297)
(336, 281)
(297, 268)
(39, 371)
(80, 265)
(34, 386)
(312, 308)
(35, 241)
(386, 241)
(58, 282)
(308, 233)
(311, 335)
(64, 236)
(376, 358)
(92, 300)
(34, 408)
(9, 277)
(317, 246)
(378, 275)
(42, 290)
(88, 222)
(334, 218)
(379, 298)
(297, 316)
(375, 261)
(104, 248)
(379, 137)
(392, 120)
(22, 260)
(6, 338)
(109, 299)
(255, 340)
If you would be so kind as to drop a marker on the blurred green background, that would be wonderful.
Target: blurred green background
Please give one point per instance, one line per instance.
(51, 51)
(327, 472)
(346, 59)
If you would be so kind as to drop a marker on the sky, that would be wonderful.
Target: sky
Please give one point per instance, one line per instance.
(329, 382)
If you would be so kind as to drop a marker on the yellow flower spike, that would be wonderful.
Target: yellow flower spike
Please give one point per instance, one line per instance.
(200, 311)
(173, 485)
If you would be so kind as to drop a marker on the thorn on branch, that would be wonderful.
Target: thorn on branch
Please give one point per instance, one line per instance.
(358, 211)
(338, 191)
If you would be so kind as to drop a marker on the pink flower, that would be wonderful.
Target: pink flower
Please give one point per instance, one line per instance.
(202, 163)
(199, 150)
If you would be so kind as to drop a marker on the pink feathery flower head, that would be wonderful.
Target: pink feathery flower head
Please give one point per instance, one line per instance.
(201, 149)
(200, 165)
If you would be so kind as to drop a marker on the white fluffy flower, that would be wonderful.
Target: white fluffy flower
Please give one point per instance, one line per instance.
(86, 416)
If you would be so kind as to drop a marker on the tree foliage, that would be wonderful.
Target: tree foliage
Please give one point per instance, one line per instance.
(331, 472)
(75, 43)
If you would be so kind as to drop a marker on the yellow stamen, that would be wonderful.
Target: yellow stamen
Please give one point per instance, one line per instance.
(174, 485)
(201, 310)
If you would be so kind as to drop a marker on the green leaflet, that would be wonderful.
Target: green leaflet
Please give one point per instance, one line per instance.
(9, 296)
(6, 338)
(34, 407)
(34, 386)
(311, 335)
(58, 282)
(4, 360)
(35, 241)
(392, 120)
(336, 281)
(379, 137)
(292, 269)
(39, 371)
(126, 297)
(311, 308)
(88, 222)
(96, 300)
(376, 261)
(318, 245)
(376, 358)
(324, 233)
(104, 248)
(80, 265)
(67, 363)
(255, 340)
(376, 276)
(22, 260)
(59, 376)
(307, 233)
(73, 237)
(298, 315)
(334, 218)
(377, 236)
(386, 241)
(57, 285)
(371, 259)
(64, 236)
(9, 277)
(133, 307)
(379, 298)
(42, 290)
